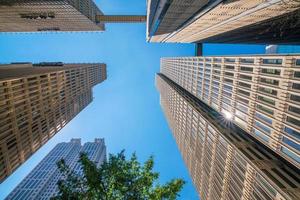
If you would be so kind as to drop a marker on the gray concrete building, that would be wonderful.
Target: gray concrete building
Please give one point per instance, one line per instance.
(40, 183)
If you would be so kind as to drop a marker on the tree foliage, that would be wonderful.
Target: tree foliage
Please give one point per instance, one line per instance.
(116, 179)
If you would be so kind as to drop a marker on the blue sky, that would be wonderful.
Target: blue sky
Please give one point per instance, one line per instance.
(125, 110)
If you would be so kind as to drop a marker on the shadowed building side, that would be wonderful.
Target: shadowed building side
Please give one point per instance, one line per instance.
(36, 101)
(231, 21)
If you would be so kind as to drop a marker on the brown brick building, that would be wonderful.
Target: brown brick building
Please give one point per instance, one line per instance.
(36, 101)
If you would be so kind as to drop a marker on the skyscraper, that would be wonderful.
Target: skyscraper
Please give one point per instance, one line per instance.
(40, 183)
(259, 93)
(36, 101)
(219, 21)
(49, 15)
(224, 161)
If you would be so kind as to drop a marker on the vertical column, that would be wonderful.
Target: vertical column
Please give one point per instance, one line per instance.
(234, 85)
(283, 95)
(253, 93)
(221, 81)
(15, 130)
(248, 182)
(227, 172)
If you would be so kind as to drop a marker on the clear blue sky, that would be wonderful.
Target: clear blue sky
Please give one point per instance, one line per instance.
(125, 110)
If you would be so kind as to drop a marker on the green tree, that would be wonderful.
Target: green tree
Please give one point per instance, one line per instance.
(116, 179)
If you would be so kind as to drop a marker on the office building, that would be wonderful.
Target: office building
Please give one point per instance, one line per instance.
(36, 101)
(41, 182)
(121, 18)
(259, 93)
(49, 15)
(224, 161)
(220, 21)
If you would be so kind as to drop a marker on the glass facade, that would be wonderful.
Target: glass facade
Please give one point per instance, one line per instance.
(41, 182)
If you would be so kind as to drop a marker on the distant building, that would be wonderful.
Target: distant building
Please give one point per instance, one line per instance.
(49, 15)
(41, 183)
(220, 21)
(259, 93)
(271, 49)
(282, 49)
(36, 101)
(224, 161)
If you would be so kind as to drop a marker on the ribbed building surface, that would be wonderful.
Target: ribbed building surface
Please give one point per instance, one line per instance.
(223, 160)
(121, 18)
(260, 93)
(210, 21)
(49, 15)
(36, 101)
(40, 183)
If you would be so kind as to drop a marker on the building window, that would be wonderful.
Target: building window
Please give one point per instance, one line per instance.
(272, 61)
(293, 121)
(244, 85)
(271, 71)
(297, 74)
(294, 109)
(263, 127)
(263, 118)
(291, 143)
(247, 69)
(292, 132)
(218, 60)
(49, 29)
(242, 100)
(265, 109)
(229, 59)
(290, 154)
(247, 60)
(241, 107)
(243, 92)
(230, 67)
(246, 77)
(241, 115)
(295, 98)
(296, 86)
(261, 135)
(268, 91)
(298, 62)
(266, 100)
(41, 15)
(229, 74)
(269, 81)
(228, 80)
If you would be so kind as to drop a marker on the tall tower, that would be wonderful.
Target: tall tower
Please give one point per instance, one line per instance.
(236, 122)
(49, 15)
(41, 181)
(37, 100)
(219, 21)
